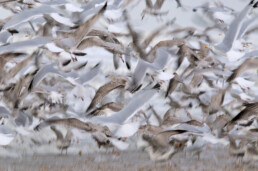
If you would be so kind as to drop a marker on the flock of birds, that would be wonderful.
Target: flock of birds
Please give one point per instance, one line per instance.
(175, 88)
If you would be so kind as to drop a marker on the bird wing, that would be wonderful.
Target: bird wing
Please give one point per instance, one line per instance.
(21, 45)
(59, 134)
(104, 90)
(138, 100)
(234, 29)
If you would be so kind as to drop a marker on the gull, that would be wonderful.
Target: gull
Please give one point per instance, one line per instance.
(152, 35)
(247, 64)
(95, 41)
(5, 1)
(234, 149)
(58, 20)
(121, 117)
(154, 9)
(116, 82)
(136, 44)
(128, 56)
(192, 126)
(104, 35)
(92, 4)
(28, 14)
(250, 109)
(135, 39)
(104, 141)
(115, 107)
(173, 82)
(4, 112)
(234, 28)
(169, 119)
(161, 146)
(76, 123)
(185, 51)
(216, 101)
(19, 91)
(23, 119)
(179, 4)
(245, 27)
(22, 45)
(195, 146)
(151, 55)
(156, 115)
(87, 76)
(42, 73)
(6, 136)
(72, 40)
(6, 57)
(204, 52)
(251, 151)
(49, 69)
(107, 41)
(196, 80)
(142, 66)
(164, 44)
(53, 96)
(150, 129)
(62, 143)
(218, 123)
(189, 30)
(13, 71)
(101, 139)
(6, 34)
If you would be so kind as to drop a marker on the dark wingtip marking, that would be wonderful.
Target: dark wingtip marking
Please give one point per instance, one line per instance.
(65, 63)
(13, 31)
(166, 95)
(231, 77)
(136, 89)
(128, 66)
(96, 65)
(157, 86)
(83, 65)
(105, 6)
(30, 86)
(79, 53)
(36, 128)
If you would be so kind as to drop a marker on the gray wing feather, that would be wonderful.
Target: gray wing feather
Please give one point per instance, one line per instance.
(89, 75)
(138, 100)
(21, 45)
(233, 30)
(27, 15)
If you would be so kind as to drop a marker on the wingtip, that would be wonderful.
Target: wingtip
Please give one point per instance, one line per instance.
(97, 65)
(128, 66)
(157, 86)
(31, 85)
(65, 63)
(80, 53)
(136, 89)
(89, 108)
(105, 6)
(166, 95)
(36, 128)
(231, 77)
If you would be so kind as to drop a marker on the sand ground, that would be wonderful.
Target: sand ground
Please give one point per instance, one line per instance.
(215, 158)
